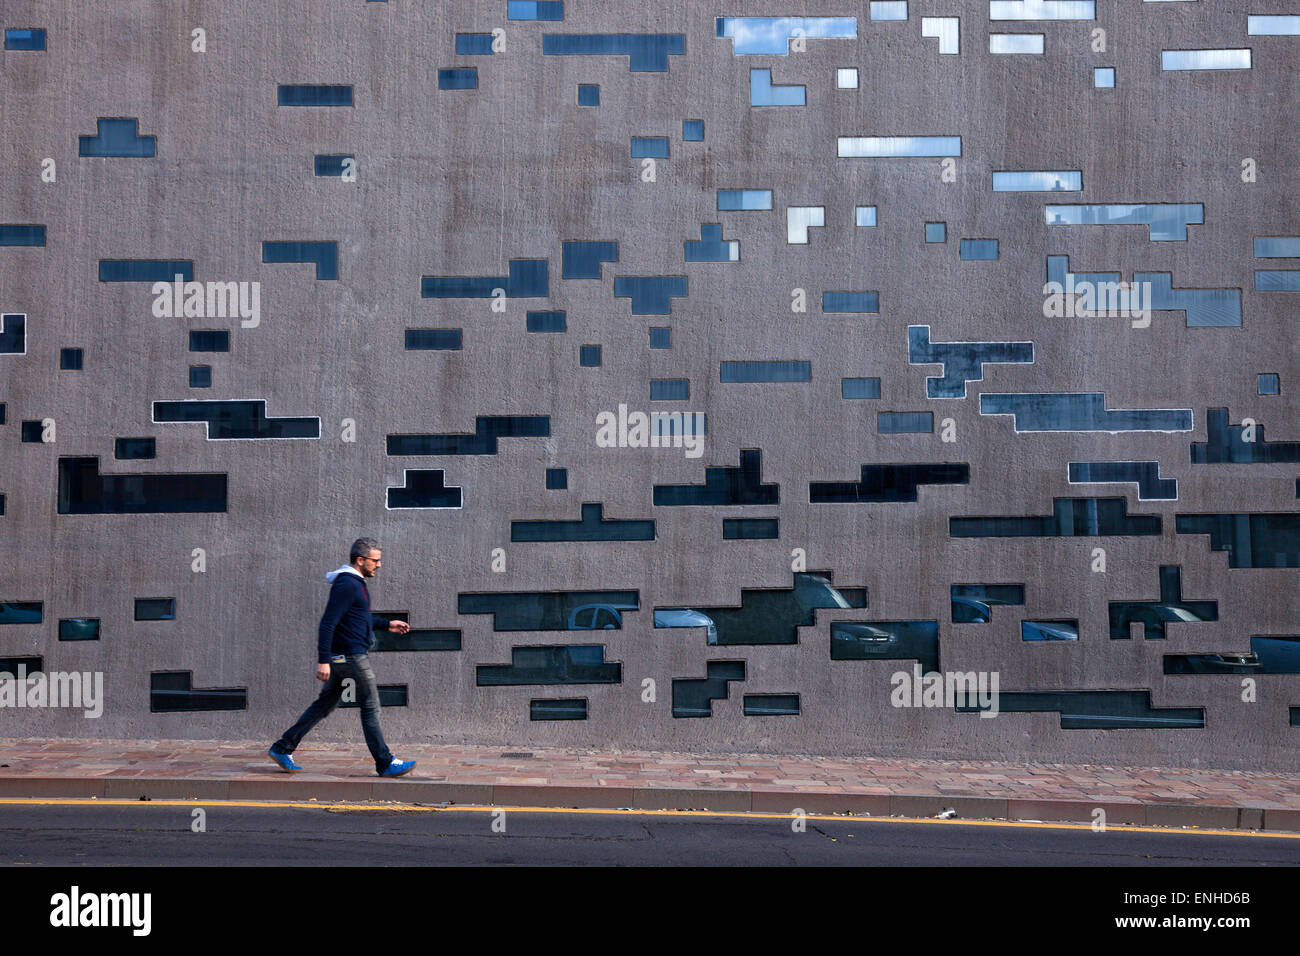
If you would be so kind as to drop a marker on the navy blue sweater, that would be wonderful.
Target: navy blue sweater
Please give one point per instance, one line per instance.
(346, 625)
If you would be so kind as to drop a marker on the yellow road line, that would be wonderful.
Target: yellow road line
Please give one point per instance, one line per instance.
(829, 818)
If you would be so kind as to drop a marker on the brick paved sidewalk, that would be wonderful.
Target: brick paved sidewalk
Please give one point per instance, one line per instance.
(226, 770)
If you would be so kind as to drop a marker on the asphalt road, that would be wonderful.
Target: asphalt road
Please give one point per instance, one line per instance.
(154, 834)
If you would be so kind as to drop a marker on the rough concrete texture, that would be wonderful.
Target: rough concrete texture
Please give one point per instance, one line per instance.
(458, 183)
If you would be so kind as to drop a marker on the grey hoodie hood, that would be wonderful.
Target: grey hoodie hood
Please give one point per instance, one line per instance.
(346, 569)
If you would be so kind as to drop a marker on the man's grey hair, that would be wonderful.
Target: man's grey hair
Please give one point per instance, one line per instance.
(362, 547)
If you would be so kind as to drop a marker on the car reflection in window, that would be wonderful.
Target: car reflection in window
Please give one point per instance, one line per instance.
(886, 640)
(685, 617)
(598, 617)
(1267, 655)
(766, 615)
(1049, 630)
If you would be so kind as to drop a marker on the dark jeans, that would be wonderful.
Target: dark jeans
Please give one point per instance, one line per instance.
(367, 694)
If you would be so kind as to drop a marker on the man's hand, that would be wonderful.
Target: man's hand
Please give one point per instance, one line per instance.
(322, 672)
(398, 627)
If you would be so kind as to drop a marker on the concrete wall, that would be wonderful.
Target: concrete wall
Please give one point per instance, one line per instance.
(460, 182)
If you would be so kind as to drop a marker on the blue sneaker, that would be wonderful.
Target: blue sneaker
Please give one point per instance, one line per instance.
(284, 760)
(397, 768)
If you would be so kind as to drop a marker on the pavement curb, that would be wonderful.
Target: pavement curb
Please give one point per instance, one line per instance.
(569, 796)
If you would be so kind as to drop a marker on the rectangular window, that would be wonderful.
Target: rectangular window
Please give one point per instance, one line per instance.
(1041, 10)
(21, 612)
(771, 705)
(738, 200)
(14, 234)
(155, 609)
(904, 423)
(1060, 180)
(852, 303)
(979, 249)
(1277, 247)
(545, 321)
(772, 35)
(766, 371)
(1287, 26)
(210, 340)
(79, 629)
(661, 338)
(749, 529)
(1205, 59)
(859, 388)
(144, 270)
(135, 449)
(1277, 280)
(34, 39)
(473, 44)
(314, 95)
(670, 389)
(570, 708)
(71, 360)
(645, 52)
(200, 376)
(1049, 630)
(534, 10)
(649, 147)
(418, 639)
(332, 165)
(1015, 43)
(693, 131)
(418, 340)
(882, 147)
(888, 9)
(460, 78)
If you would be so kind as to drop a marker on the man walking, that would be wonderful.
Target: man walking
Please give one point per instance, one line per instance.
(342, 645)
